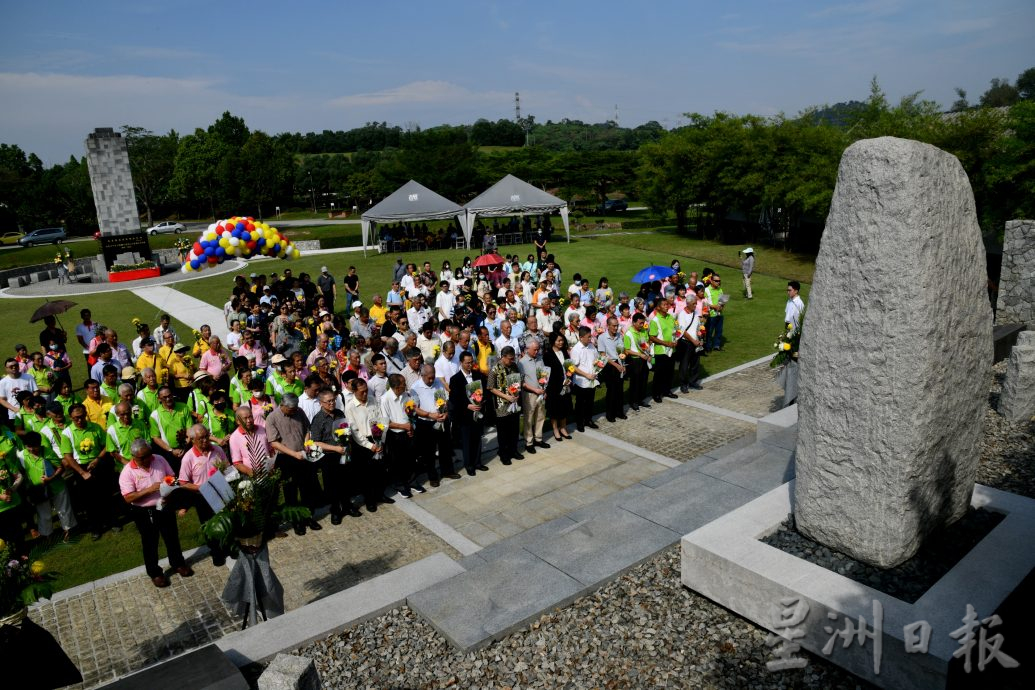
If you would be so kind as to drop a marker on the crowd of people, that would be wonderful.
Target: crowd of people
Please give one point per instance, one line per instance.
(395, 390)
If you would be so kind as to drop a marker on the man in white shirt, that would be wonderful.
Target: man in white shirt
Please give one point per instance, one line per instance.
(447, 364)
(361, 414)
(378, 379)
(432, 434)
(444, 301)
(418, 313)
(309, 401)
(575, 288)
(12, 384)
(584, 357)
(411, 372)
(398, 435)
(795, 306)
(427, 342)
(688, 345)
(506, 338)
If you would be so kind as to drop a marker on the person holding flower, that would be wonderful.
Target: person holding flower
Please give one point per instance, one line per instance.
(689, 346)
(248, 445)
(84, 451)
(123, 430)
(534, 377)
(139, 483)
(168, 426)
(609, 344)
(286, 429)
(216, 362)
(11, 479)
(637, 357)
(329, 432)
(362, 414)
(558, 387)
(432, 437)
(662, 331)
(395, 411)
(149, 359)
(504, 384)
(467, 414)
(584, 379)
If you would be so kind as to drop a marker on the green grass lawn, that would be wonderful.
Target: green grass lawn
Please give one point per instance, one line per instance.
(114, 309)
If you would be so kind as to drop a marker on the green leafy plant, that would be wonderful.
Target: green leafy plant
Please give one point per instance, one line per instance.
(122, 268)
(253, 512)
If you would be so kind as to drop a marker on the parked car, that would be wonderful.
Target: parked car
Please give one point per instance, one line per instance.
(11, 237)
(167, 226)
(612, 206)
(44, 236)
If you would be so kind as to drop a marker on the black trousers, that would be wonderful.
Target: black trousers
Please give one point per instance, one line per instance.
(94, 496)
(636, 370)
(431, 446)
(507, 435)
(471, 444)
(583, 405)
(193, 499)
(663, 371)
(302, 485)
(689, 363)
(399, 453)
(613, 405)
(151, 523)
(365, 474)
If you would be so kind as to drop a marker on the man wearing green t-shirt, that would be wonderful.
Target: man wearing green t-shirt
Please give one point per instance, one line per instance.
(282, 382)
(83, 451)
(637, 359)
(662, 334)
(713, 337)
(11, 479)
(168, 427)
(122, 431)
(148, 393)
(47, 490)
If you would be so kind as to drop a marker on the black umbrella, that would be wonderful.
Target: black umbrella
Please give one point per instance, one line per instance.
(51, 309)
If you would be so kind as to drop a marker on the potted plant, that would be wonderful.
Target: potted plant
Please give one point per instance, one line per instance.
(122, 272)
(23, 581)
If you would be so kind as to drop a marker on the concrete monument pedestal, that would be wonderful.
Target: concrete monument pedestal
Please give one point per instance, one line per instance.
(726, 562)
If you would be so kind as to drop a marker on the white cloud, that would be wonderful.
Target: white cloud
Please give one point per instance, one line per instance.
(420, 92)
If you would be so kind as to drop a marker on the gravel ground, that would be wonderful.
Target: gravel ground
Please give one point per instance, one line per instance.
(642, 630)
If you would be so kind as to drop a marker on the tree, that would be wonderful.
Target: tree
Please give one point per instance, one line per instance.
(961, 103)
(1000, 93)
(194, 176)
(1026, 84)
(266, 170)
(151, 160)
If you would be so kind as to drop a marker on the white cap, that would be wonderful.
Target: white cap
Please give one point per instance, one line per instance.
(323, 269)
(749, 250)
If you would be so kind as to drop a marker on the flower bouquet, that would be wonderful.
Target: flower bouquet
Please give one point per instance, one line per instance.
(311, 451)
(377, 432)
(410, 408)
(440, 406)
(475, 395)
(85, 446)
(787, 344)
(514, 389)
(341, 433)
(23, 581)
(165, 488)
(598, 365)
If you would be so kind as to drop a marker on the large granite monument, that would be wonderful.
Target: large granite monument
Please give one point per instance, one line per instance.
(1017, 400)
(896, 356)
(111, 178)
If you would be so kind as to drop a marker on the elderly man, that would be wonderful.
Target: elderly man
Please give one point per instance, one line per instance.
(362, 414)
(168, 426)
(411, 372)
(119, 353)
(432, 435)
(662, 334)
(139, 483)
(148, 393)
(398, 436)
(328, 430)
(506, 338)
(394, 359)
(689, 345)
(584, 357)
(83, 451)
(466, 415)
(249, 448)
(508, 404)
(123, 430)
(533, 396)
(286, 429)
(613, 373)
(418, 314)
(198, 464)
(427, 342)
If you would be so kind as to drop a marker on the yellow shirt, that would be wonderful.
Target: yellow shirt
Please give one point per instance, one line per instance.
(97, 410)
(482, 353)
(378, 314)
(155, 362)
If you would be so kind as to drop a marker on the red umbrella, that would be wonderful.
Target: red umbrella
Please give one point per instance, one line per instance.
(489, 260)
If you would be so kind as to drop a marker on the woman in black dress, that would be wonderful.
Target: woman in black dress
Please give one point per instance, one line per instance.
(558, 389)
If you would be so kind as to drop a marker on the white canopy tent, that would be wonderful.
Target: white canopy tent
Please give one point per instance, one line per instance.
(510, 196)
(412, 201)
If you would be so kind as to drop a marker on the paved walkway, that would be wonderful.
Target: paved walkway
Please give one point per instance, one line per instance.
(190, 310)
(530, 535)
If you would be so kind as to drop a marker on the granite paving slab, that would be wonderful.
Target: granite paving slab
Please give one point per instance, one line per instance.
(676, 431)
(753, 392)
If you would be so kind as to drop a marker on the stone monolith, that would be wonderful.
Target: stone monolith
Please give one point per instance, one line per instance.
(895, 355)
(1017, 400)
(1016, 303)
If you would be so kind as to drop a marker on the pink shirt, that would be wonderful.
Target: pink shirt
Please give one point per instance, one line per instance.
(212, 363)
(134, 478)
(244, 448)
(257, 350)
(195, 466)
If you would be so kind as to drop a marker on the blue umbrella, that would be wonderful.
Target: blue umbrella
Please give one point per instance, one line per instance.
(652, 273)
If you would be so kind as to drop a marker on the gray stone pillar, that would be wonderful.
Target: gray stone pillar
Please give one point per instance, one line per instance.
(895, 356)
(1016, 303)
(1017, 400)
(288, 672)
(113, 194)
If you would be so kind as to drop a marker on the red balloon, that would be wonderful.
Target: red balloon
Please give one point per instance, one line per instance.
(213, 259)
(198, 251)
(249, 226)
(251, 245)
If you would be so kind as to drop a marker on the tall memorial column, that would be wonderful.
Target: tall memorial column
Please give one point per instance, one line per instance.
(122, 240)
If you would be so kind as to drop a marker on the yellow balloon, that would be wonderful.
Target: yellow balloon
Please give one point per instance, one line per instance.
(231, 250)
(295, 254)
(210, 235)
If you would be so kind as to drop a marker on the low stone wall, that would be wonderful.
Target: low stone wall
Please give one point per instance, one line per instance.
(25, 275)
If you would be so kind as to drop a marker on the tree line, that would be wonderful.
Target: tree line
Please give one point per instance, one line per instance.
(720, 175)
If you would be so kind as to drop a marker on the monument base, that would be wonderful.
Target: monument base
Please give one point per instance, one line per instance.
(138, 274)
(726, 562)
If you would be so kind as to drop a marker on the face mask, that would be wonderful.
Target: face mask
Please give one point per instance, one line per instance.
(220, 406)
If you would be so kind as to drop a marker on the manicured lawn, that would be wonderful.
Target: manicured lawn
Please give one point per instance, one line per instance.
(114, 309)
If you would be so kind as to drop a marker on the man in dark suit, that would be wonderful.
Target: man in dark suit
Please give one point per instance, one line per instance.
(467, 415)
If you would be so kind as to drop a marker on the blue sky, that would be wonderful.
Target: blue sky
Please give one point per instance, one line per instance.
(67, 67)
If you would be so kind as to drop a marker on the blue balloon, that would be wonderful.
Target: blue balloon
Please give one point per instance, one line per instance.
(260, 242)
(220, 252)
(240, 225)
(276, 248)
(195, 264)
(210, 250)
